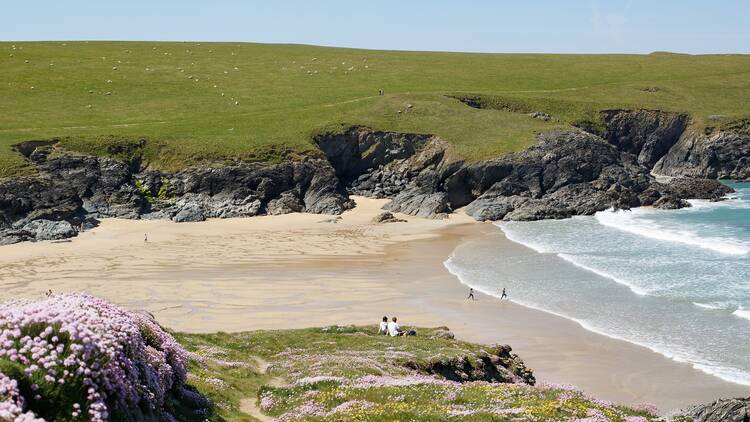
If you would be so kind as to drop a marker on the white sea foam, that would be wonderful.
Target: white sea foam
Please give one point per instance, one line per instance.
(511, 235)
(735, 202)
(734, 375)
(633, 287)
(711, 305)
(628, 221)
(688, 268)
(742, 313)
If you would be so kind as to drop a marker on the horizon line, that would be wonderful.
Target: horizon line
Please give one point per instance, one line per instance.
(654, 52)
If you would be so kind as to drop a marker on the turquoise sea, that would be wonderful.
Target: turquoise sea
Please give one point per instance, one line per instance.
(677, 282)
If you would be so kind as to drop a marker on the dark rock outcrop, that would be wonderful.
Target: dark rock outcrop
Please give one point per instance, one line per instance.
(671, 203)
(647, 134)
(406, 167)
(72, 189)
(684, 187)
(49, 230)
(723, 410)
(496, 364)
(386, 217)
(444, 334)
(249, 189)
(723, 155)
(564, 174)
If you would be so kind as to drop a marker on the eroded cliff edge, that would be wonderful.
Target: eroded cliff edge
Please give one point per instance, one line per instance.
(563, 174)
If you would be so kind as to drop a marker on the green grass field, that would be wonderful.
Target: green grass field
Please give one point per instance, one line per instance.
(222, 101)
(353, 374)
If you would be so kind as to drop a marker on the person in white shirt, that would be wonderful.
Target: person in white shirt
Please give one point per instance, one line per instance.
(393, 329)
(383, 326)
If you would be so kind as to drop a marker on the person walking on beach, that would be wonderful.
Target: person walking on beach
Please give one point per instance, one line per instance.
(471, 294)
(504, 295)
(145, 238)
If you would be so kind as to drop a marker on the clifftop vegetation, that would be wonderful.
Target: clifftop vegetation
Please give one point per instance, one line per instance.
(198, 102)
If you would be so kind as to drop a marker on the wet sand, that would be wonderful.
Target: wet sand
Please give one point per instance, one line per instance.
(304, 270)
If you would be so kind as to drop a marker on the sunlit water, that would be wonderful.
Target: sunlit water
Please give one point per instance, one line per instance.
(677, 282)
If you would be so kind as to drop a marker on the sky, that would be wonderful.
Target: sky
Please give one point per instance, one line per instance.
(551, 26)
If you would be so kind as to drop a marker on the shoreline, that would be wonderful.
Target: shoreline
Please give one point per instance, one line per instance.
(302, 270)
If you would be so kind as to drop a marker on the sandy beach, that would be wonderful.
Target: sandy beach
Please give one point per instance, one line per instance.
(302, 270)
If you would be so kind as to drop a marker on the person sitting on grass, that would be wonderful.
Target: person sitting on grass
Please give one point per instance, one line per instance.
(393, 329)
(383, 326)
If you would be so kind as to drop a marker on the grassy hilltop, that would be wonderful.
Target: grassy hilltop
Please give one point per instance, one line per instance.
(353, 374)
(197, 102)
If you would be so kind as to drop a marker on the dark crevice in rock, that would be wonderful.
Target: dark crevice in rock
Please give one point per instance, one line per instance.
(497, 103)
(647, 134)
(29, 147)
(409, 168)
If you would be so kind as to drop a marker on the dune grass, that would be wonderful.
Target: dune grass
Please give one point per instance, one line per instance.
(352, 374)
(196, 102)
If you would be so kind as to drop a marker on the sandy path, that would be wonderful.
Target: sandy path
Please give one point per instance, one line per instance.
(302, 270)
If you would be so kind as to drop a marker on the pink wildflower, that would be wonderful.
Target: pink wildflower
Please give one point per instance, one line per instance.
(124, 358)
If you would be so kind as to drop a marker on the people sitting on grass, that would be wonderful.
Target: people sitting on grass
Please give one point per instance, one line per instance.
(383, 326)
(393, 328)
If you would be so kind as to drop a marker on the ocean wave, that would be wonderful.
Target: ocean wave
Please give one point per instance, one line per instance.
(735, 202)
(634, 288)
(742, 313)
(628, 221)
(515, 237)
(711, 305)
(633, 249)
(725, 373)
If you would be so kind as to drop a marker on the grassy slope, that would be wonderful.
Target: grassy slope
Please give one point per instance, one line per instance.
(286, 93)
(231, 372)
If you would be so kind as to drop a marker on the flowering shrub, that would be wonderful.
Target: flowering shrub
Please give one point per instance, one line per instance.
(77, 357)
(11, 402)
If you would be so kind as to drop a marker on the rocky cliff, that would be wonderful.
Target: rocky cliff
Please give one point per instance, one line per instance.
(647, 134)
(723, 410)
(563, 174)
(72, 191)
(496, 365)
(722, 155)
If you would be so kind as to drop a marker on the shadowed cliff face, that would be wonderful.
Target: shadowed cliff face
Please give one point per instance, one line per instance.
(660, 141)
(564, 174)
(663, 142)
(647, 134)
(73, 191)
(724, 155)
